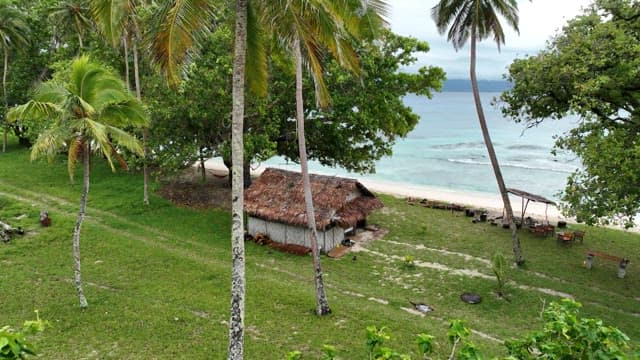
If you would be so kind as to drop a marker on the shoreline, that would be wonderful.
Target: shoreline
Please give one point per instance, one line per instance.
(489, 202)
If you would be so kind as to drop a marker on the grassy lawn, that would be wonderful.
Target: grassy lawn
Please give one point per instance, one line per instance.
(157, 278)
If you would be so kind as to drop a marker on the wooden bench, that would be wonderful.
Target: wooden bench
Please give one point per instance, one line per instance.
(622, 262)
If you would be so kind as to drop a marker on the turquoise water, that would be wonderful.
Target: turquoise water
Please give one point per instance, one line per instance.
(446, 150)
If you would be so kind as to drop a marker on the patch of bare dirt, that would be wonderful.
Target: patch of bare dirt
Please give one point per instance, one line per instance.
(188, 190)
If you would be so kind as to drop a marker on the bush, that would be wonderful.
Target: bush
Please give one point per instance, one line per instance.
(565, 336)
(14, 345)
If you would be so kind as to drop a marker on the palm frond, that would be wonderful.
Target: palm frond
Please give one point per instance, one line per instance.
(99, 134)
(76, 147)
(50, 92)
(129, 112)
(34, 110)
(459, 17)
(126, 140)
(69, 12)
(49, 142)
(121, 161)
(111, 17)
(14, 30)
(176, 30)
(256, 58)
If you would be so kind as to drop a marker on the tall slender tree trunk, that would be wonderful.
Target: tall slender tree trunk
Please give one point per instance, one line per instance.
(125, 44)
(78, 28)
(517, 250)
(145, 130)
(322, 305)
(203, 170)
(5, 122)
(236, 323)
(86, 156)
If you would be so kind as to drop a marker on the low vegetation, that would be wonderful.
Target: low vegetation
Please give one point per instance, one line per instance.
(158, 277)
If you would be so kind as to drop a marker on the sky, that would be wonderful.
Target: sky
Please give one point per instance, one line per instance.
(539, 21)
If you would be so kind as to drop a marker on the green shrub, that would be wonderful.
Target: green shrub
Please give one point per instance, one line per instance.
(565, 336)
(14, 345)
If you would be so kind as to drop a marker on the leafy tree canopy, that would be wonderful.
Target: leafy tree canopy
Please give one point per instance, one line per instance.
(365, 117)
(366, 114)
(590, 69)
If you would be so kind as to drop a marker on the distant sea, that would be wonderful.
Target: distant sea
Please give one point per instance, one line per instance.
(446, 150)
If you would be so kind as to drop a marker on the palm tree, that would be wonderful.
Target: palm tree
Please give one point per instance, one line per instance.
(86, 111)
(118, 21)
(236, 323)
(74, 14)
(13, 35)
(314, 25)
(177, 28)
(477, 20)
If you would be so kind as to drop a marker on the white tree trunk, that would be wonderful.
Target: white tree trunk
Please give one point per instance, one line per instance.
(322, 304)
(236, 323)
(125, 44)
(76, 231)
(517, 250)
(5, 123)
(145, 130)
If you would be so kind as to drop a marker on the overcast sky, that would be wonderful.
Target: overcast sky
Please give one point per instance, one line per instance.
(539, 20)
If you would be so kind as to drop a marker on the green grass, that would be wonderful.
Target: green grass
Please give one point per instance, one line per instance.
(157, 278)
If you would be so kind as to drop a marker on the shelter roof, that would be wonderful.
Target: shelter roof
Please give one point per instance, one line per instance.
(278, 195)
(530, 196)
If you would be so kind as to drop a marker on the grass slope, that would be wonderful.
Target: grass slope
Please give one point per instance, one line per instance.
(157, 277)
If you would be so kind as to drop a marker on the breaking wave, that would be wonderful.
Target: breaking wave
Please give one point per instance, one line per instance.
(568, 170)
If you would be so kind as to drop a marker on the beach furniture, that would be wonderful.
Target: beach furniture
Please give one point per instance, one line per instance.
(531, 197)
(542, 229)
(578, 236)
(565, 237)
(622, 262)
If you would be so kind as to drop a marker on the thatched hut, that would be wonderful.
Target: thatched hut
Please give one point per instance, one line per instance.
(275, 206)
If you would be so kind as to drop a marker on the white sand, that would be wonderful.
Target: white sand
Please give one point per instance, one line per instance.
(492, 203)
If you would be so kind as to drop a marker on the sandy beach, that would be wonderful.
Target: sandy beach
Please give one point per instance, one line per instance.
(492, 203)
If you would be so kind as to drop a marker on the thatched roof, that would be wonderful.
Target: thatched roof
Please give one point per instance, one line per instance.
(277, 195)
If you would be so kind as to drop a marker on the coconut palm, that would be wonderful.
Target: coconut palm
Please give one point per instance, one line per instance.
(118, 21)
(476, 20)
(13, 35)
(85, 111)
(74, 14)
(178, 27)
(236, 324)
(314, 25)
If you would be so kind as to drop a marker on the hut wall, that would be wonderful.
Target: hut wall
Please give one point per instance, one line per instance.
(255, 225)
(290, 234)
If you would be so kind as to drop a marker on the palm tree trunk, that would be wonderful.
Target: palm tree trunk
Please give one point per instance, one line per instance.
(517, 251)
(78, 28)
(125, 44)
(322, 305)
(236, 323)
(76, 231)
(145, 130)
(203, 170)
(5, 123)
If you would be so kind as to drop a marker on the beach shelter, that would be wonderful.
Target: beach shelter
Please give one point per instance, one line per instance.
(531, 197)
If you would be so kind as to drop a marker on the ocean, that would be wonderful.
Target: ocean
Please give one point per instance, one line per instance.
(446, 150)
